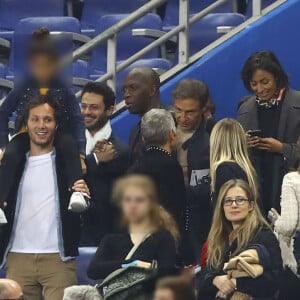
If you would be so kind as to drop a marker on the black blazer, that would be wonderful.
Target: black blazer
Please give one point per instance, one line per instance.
(99, 219)
(167, 173)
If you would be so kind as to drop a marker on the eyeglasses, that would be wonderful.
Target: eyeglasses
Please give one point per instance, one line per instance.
(239, 201)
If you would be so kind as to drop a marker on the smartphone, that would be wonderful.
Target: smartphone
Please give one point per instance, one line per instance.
(271, 216)
(256, 132)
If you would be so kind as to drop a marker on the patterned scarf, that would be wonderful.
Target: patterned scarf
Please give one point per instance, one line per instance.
(272, 102)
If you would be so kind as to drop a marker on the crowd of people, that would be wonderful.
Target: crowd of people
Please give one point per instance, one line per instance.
(190, 209)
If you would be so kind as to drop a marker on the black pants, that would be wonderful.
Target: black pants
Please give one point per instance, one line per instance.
(66, 147)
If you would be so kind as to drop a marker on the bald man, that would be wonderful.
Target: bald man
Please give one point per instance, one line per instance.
(141, 94)
(10, 289)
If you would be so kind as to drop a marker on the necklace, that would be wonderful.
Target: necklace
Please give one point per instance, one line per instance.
(159, 149)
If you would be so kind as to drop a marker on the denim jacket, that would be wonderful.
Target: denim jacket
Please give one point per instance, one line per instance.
(19, 97)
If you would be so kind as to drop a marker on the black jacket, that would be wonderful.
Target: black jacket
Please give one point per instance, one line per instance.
(264, 286)
(167, 173)
(70, 221)
(99, 219)
(288, 133)
(198, 196)
(226, 171)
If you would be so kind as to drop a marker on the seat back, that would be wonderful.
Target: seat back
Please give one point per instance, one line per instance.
(12, 11)
(83, 260)
(204, 32)
(264, 4)
(172, 10)
(127, 45)
(24, 30)
(93, 10)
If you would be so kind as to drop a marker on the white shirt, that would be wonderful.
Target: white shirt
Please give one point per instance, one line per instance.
(91, 140)
(36, 228)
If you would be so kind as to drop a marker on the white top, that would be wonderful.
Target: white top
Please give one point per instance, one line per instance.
(289, 221)
(91, 140)
(36, 228)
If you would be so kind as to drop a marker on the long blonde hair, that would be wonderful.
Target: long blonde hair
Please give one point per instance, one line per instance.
(228, 144)
(161, 219)
(222, 232)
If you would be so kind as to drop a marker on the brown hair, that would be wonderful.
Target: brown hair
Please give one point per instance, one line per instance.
(222, 233)
(161, 219)
(182, 288)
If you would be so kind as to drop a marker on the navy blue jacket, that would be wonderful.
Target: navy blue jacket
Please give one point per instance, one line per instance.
(17, 101)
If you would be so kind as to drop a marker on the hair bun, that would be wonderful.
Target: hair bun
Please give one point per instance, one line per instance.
(41, 33)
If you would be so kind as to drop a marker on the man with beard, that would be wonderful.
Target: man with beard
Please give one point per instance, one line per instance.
(39, 243)
(107, 159)
(141, 94)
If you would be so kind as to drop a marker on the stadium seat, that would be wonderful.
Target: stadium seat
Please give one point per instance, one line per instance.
(5, 87)
(83, 260)
(12, 11)
(172, 11)
(127, 45)
(93, 10)
(264, 3)
(205, 31)
(26, 26)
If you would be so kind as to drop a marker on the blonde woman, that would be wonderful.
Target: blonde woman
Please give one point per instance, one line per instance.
(229, 156)
(238, 225)
(149, 227)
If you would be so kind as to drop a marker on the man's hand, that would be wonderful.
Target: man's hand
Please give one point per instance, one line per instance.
(225, 285)
(105, 151)
(270, 145)
(81, 186)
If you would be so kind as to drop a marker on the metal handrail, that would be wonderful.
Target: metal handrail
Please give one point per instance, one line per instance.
(110, 35)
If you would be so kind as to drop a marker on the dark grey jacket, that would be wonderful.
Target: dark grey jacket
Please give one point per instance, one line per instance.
(288, 133)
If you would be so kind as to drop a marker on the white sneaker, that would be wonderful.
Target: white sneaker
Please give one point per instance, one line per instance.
(79, 202)
(2, 217)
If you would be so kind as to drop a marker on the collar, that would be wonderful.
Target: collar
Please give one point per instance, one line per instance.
(103, 134)
(199, 131)
(273, 101)
(155, 148)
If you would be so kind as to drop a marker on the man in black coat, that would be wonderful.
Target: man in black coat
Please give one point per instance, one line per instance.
(159, 134)
(107, 159)
(141, 94)
(39, 243)
(190, 98)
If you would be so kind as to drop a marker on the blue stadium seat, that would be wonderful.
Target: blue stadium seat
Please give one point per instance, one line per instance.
(264, 3)
(26, 26)
(12, 11)
(93, 10)
(83, 260)
(204, 32)
(127, 45)
(171, 15)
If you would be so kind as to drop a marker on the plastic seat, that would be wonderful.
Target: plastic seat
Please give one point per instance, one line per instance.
(127, 45)
(172, 11)
(205, 31)
(83, 260)
(12, 11)
(25, 28)
(264, 4)
(93, 10)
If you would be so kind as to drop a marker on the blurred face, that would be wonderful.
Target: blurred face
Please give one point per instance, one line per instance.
(43, 68)
(135, 204)
(236, 205)
(164, 294)
(94, 112)
(137, 94)
(42, 125)
(263, 84)
(188, 114)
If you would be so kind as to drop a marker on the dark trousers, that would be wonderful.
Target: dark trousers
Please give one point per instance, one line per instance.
(66, 147)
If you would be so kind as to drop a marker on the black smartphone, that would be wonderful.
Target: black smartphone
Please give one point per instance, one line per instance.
(256, 132)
